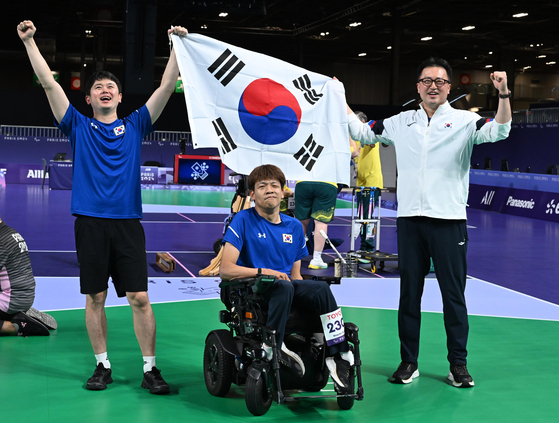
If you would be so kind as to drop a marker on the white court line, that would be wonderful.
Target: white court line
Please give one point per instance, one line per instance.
(165, 208)
(52, 251)
(149, 252)
(483, 298)
(181, 222)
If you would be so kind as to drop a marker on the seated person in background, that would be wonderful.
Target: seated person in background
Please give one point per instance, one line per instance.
(260, 240)
(17, 287)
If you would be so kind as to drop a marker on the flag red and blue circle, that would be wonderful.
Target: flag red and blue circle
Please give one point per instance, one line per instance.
(269, 113)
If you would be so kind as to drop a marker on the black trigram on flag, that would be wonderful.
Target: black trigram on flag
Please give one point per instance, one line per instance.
(303, 83)
(308, 153)
(229, 70)
(227, 144)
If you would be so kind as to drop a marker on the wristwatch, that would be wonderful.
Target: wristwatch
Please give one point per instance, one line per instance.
(505, 95)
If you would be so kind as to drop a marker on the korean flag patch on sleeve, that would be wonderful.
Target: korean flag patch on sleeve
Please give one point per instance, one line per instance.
(288, 238)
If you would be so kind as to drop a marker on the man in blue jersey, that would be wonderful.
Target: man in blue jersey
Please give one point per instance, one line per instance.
(261, 241)
(106, 201)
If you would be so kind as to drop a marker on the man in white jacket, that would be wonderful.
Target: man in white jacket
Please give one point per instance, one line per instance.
(433, 149)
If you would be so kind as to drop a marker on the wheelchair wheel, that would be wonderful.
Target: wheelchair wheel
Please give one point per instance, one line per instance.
(345, 403)
(218, 367)
(217, 245)
(257, 397)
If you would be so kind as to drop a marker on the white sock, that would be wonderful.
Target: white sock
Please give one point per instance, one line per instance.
(102, 358)
(268, 350)
(348, 356)
(317, 255)
(149, 363)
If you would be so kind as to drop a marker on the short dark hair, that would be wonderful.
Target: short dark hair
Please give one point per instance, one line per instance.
(100, 75)
(265, 172)
(361, 116)
(434, 62)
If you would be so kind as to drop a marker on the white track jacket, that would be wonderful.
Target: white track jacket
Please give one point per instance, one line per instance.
(433, 157)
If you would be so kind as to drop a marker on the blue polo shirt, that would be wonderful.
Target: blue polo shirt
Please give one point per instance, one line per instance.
(264, 244)
(106, 173)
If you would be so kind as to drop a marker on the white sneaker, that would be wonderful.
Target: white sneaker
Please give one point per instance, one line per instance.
(288, 358)
(295, 357)
(317, 264)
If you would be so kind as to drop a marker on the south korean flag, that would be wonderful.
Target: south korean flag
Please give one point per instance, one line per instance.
(260, 110)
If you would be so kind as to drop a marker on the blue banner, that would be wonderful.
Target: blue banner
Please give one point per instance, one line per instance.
(513, 194)
(23, 173)
(30, 149)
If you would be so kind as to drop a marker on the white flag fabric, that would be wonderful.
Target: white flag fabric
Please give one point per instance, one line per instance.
(260, 110)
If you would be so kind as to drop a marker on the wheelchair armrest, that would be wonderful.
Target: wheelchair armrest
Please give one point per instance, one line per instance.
(330, 280)
(258, 284)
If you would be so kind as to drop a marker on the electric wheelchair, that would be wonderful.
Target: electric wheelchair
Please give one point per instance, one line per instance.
(235, 355)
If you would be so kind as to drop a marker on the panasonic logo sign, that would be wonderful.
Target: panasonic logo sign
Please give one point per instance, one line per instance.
(521, 204)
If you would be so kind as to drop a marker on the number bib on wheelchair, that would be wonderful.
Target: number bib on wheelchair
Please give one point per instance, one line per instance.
(333, 326)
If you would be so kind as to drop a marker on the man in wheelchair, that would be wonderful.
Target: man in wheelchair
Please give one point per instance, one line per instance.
(261, 241)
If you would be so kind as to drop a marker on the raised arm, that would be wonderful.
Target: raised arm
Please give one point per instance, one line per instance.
(161, 95)
(57, 97)
(230, 270)
(504, 113)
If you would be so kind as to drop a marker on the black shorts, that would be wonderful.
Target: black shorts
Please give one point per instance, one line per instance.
(113, 248)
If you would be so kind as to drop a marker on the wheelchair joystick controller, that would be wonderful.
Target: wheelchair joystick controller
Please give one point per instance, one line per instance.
(332, 245)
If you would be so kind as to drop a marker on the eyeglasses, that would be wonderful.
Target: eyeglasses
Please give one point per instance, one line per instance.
(439, 82)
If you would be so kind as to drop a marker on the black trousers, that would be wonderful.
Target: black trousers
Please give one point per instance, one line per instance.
(446, 241)
(312, 295)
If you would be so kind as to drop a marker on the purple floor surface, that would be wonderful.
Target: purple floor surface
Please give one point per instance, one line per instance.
(514, 252)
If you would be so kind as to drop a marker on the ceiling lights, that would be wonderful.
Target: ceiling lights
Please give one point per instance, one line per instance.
(520, 15)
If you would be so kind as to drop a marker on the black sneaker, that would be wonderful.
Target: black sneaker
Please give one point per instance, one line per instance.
(405, 373)
(459, 376)
(28, 326)
(341, 371)
(101, 377)
(288, 359)
(155, 383)
(44, 318)
(292, 361)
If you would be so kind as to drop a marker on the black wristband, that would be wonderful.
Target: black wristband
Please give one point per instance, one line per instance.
(505, 95)
(259, 272)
